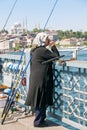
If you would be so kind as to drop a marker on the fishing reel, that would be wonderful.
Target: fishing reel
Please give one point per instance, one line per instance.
(17, 96)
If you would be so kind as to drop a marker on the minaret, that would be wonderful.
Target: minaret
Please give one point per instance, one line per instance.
(26, 24)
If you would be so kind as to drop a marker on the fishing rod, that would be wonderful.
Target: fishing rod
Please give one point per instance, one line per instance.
(5, 107)
(16, 72)
(10, 99)
(52, 59)
(14, 90)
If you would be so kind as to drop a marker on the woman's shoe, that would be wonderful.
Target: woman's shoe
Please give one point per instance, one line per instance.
(42, 124)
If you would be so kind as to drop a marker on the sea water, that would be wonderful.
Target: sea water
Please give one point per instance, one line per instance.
(81, 55)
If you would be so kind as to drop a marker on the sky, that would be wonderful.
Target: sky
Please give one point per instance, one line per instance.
(67, 14)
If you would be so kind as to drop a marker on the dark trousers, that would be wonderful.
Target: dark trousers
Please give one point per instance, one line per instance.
(40, 115)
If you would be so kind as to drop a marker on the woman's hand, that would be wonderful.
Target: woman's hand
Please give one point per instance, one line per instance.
(52, 43)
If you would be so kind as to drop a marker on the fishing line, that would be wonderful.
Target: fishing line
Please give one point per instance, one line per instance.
(9, 14)
(50, 14)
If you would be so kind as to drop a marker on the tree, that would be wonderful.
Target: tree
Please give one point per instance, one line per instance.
(85, 43)
(36, 30)
(4, 31)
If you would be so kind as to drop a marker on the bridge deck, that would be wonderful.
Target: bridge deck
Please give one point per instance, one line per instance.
(26, 123)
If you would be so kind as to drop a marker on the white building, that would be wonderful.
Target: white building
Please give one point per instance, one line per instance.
(17, 29)
(69, 41)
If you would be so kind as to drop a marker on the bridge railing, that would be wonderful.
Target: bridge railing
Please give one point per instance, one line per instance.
(70, 93)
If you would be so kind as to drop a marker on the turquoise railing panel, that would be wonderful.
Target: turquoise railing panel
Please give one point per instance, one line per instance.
(70, 93)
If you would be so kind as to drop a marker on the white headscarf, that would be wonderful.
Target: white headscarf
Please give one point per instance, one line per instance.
(40, 39)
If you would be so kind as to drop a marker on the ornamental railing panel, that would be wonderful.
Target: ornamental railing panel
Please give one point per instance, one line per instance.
(70, 94)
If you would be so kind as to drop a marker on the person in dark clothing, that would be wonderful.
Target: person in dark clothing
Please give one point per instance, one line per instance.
(40, 94)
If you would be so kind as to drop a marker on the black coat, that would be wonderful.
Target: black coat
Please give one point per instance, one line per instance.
(40, 92)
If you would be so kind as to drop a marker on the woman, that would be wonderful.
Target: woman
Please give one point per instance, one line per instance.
(40, 94)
